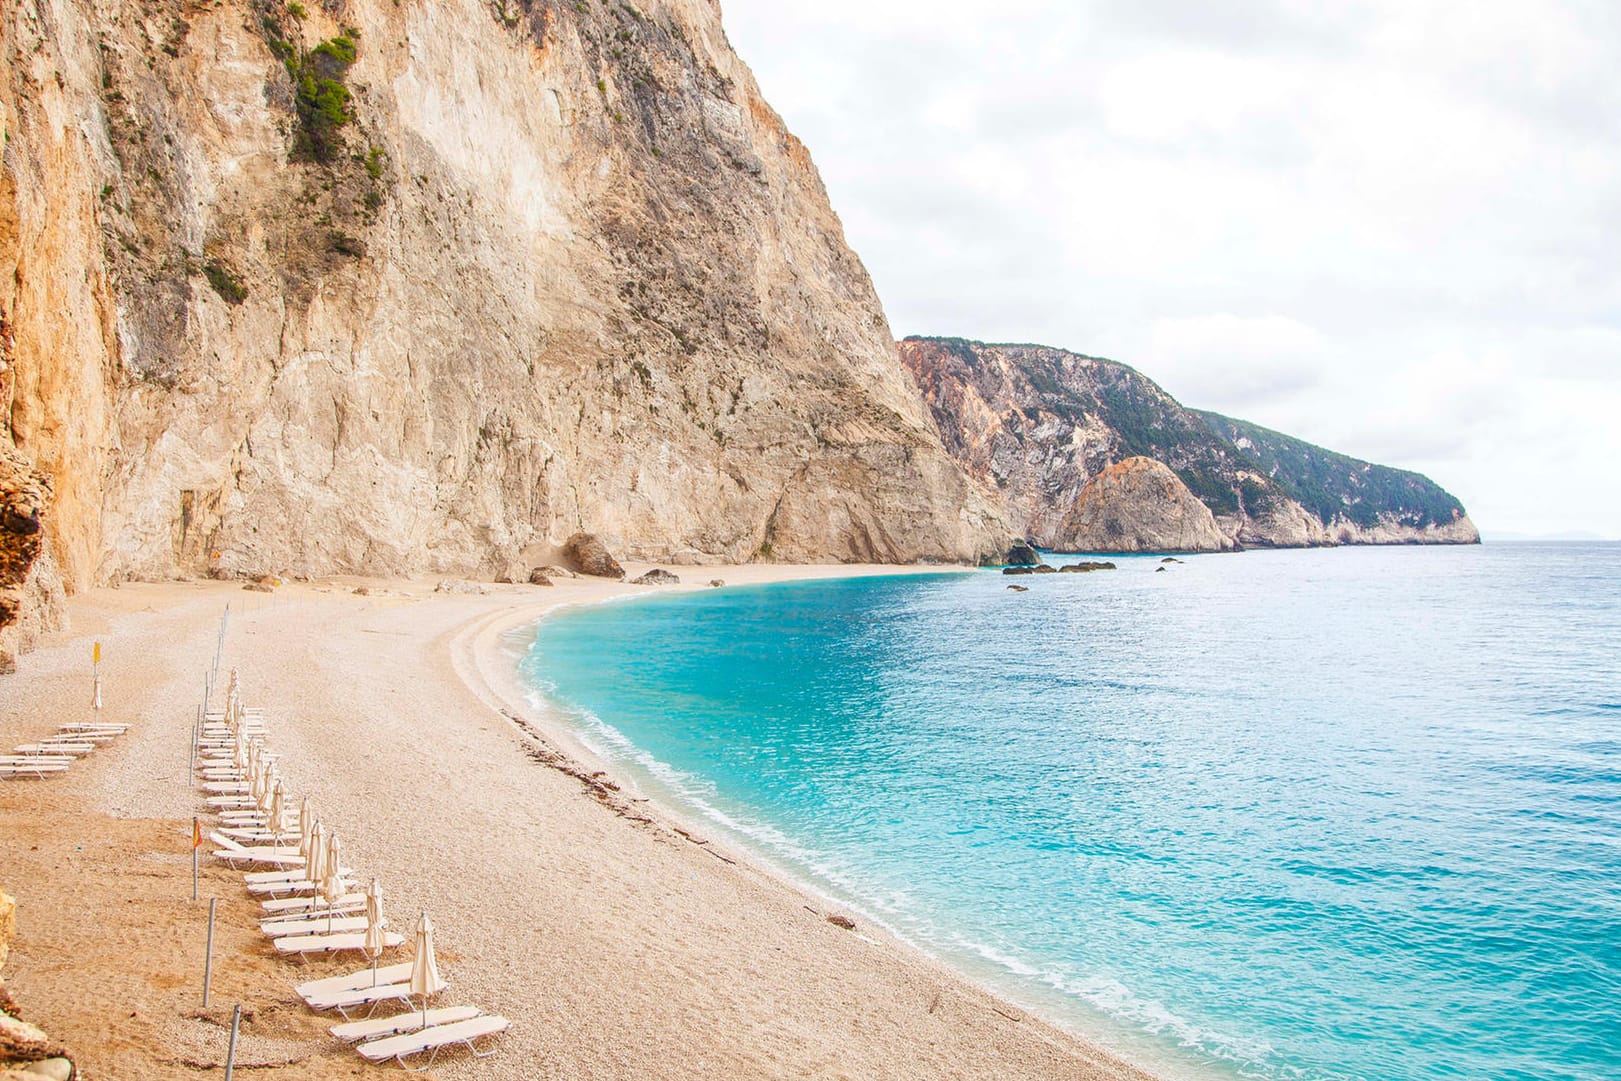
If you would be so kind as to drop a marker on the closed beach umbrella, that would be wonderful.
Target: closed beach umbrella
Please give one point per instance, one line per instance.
(374, 926)
(239, 757)
(425, 979)
(331, 881)
(315, 858)
(268, 784)
(276, 799)
(306, 823)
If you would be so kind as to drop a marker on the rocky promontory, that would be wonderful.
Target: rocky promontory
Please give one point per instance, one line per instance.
(1039, 426)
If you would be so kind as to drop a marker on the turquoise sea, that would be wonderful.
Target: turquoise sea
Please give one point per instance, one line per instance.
(1334, 814)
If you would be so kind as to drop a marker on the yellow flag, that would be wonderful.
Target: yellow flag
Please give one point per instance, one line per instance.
(196, 834)
(95, 653)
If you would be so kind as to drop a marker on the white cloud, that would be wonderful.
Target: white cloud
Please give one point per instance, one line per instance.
(1382, 226)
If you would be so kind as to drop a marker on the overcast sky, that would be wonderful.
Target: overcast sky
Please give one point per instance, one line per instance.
(1389, 228)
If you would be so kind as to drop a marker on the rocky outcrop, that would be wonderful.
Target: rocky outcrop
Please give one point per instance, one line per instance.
(586, 553)
(1139, 505)
(1037, 425)
(31, 595)
(26, 1052)
(1021, 554)
(537, 265)
(658, 576)
(538, 577)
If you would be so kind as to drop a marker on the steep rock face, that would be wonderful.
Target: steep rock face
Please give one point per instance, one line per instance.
(1037, 424)
(31, 595)
(1139, 505)
(407, 286)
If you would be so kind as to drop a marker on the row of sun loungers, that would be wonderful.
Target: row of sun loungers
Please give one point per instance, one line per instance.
(56, 753)
(306, 916)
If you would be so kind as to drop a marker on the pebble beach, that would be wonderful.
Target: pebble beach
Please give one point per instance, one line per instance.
(618, 939)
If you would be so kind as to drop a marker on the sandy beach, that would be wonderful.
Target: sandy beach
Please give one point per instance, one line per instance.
(619, 941)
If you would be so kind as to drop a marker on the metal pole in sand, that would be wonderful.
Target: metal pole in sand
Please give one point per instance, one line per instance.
(230, 1050)
(196, 843)
(208, 955)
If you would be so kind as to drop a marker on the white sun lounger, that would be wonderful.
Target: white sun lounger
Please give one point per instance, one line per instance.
(331, 985)
(303, 944)
(95, 726)
(36, 766)
(287, 907)
(313, 924)
(60, 759)
(226, 788)
(432, 1040)
(410, 1021)
(369, 996)
(261, 878)
(45, 746)
(81, 735)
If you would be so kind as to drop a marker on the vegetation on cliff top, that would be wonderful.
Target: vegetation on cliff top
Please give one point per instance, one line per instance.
(1330, 484)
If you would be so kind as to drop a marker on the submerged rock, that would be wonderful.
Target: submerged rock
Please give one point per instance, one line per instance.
(1018, 570)
(1044, 568)
(1086, 565)
(1019, 588)
(586, 553)
(658, 576)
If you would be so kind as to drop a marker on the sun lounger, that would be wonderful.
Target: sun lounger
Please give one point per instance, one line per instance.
(85, 735)
(34, 766)
(226, 788)
(287, 907)
(410, 1021)
(232, 851)
(432, 1040)
(313, 923)
(95, 726)
(305, 944)
(255, 878)
(285, 887)
(71, 750)
(37, 759)
(332, 985)
(269, 857)
(369, 996)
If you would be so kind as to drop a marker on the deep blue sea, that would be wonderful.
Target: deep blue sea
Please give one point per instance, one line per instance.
(1334, 814)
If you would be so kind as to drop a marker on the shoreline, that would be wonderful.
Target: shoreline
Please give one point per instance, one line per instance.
(617, 940)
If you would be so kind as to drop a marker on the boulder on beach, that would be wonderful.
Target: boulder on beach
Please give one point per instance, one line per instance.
(538, 577)
(658, 576)
(716, 583)
(586, 553)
